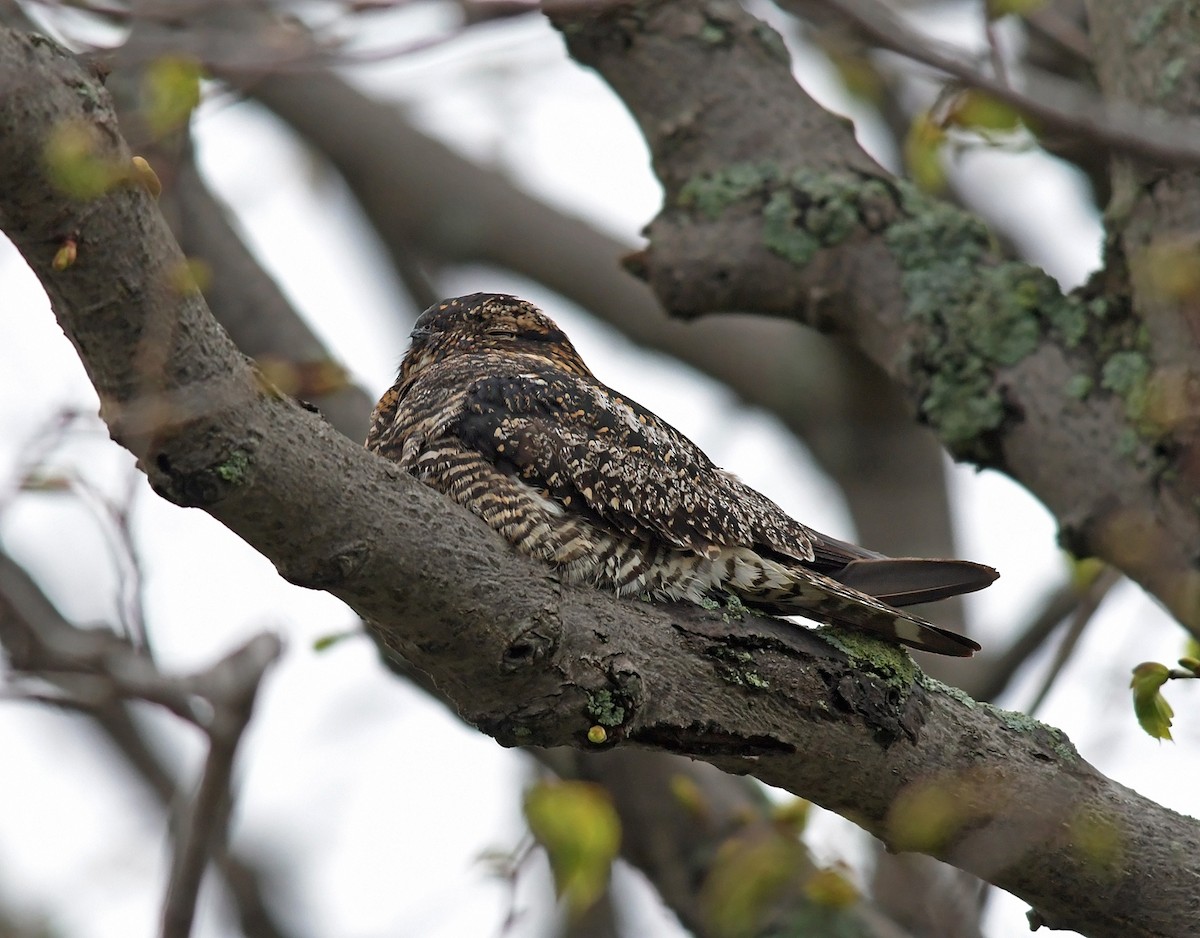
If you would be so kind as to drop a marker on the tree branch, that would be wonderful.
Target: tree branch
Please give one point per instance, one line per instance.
(851, 725)
(1064, 107)
(97, 671)
(771, 207)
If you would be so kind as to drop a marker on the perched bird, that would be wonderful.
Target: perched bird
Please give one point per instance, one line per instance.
(494, 408)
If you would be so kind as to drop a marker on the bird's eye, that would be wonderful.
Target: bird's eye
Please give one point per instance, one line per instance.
(502, 333)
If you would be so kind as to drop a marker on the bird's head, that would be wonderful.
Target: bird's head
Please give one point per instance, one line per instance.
(481, 322)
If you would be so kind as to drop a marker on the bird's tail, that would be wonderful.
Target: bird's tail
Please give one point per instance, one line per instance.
(793, 589)
(904, 581)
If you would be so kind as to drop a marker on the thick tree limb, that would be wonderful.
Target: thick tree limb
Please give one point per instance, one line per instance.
(772, 207)
(853, 726)
(1153, 225)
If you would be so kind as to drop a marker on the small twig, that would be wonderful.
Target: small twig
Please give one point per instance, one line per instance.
(508, 867)
(995, 53)
(35, 452)
(1089, 603)
(95, 672)
(242, 880)
(1058, 29)
(204, 826)
(992, 682)
(114, 518)
(1167, 139)
(132, 578)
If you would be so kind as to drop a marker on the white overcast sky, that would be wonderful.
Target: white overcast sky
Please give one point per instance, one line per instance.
(372, 798)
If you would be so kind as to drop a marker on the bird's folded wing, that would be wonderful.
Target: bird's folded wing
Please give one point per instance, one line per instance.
(595, 451)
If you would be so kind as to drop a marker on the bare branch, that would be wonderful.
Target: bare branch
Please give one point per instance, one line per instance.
(96, 672)
(1057, 605)
(1089, 603)
(231, 686)
(1054, 104)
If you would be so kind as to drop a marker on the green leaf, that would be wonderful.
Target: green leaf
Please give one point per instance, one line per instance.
(76, 162)
(999, 8)
(974, 110)
(749, 873)
(1168, 267)
(1153, 712)
(857, 71)
(792, 815)
(922, 153)
(325, 642)
(170, 92)
(578, 827)
(832, 887)
(1084, 570)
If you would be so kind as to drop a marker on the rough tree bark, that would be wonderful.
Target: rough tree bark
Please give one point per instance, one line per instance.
(849, 724)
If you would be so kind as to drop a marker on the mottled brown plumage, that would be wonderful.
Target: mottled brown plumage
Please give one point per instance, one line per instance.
(494, 407)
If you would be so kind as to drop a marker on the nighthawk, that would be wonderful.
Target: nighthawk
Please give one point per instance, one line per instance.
(494, 408)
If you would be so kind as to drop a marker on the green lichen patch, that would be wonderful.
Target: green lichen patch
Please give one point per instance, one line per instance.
(831, 202)
(867, 653)
(1021, 723)
(801, 213)
(605, 708)
(963, 406)
(1079, 386)
(933, 685)
(812, 210)
(783, 231)
(233, 470)
(1068, 319)
(1126, 374)
(734, 607)
(712, 193)
(736, 666)
(932, 232)
(1025, 725)
(977, 315)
